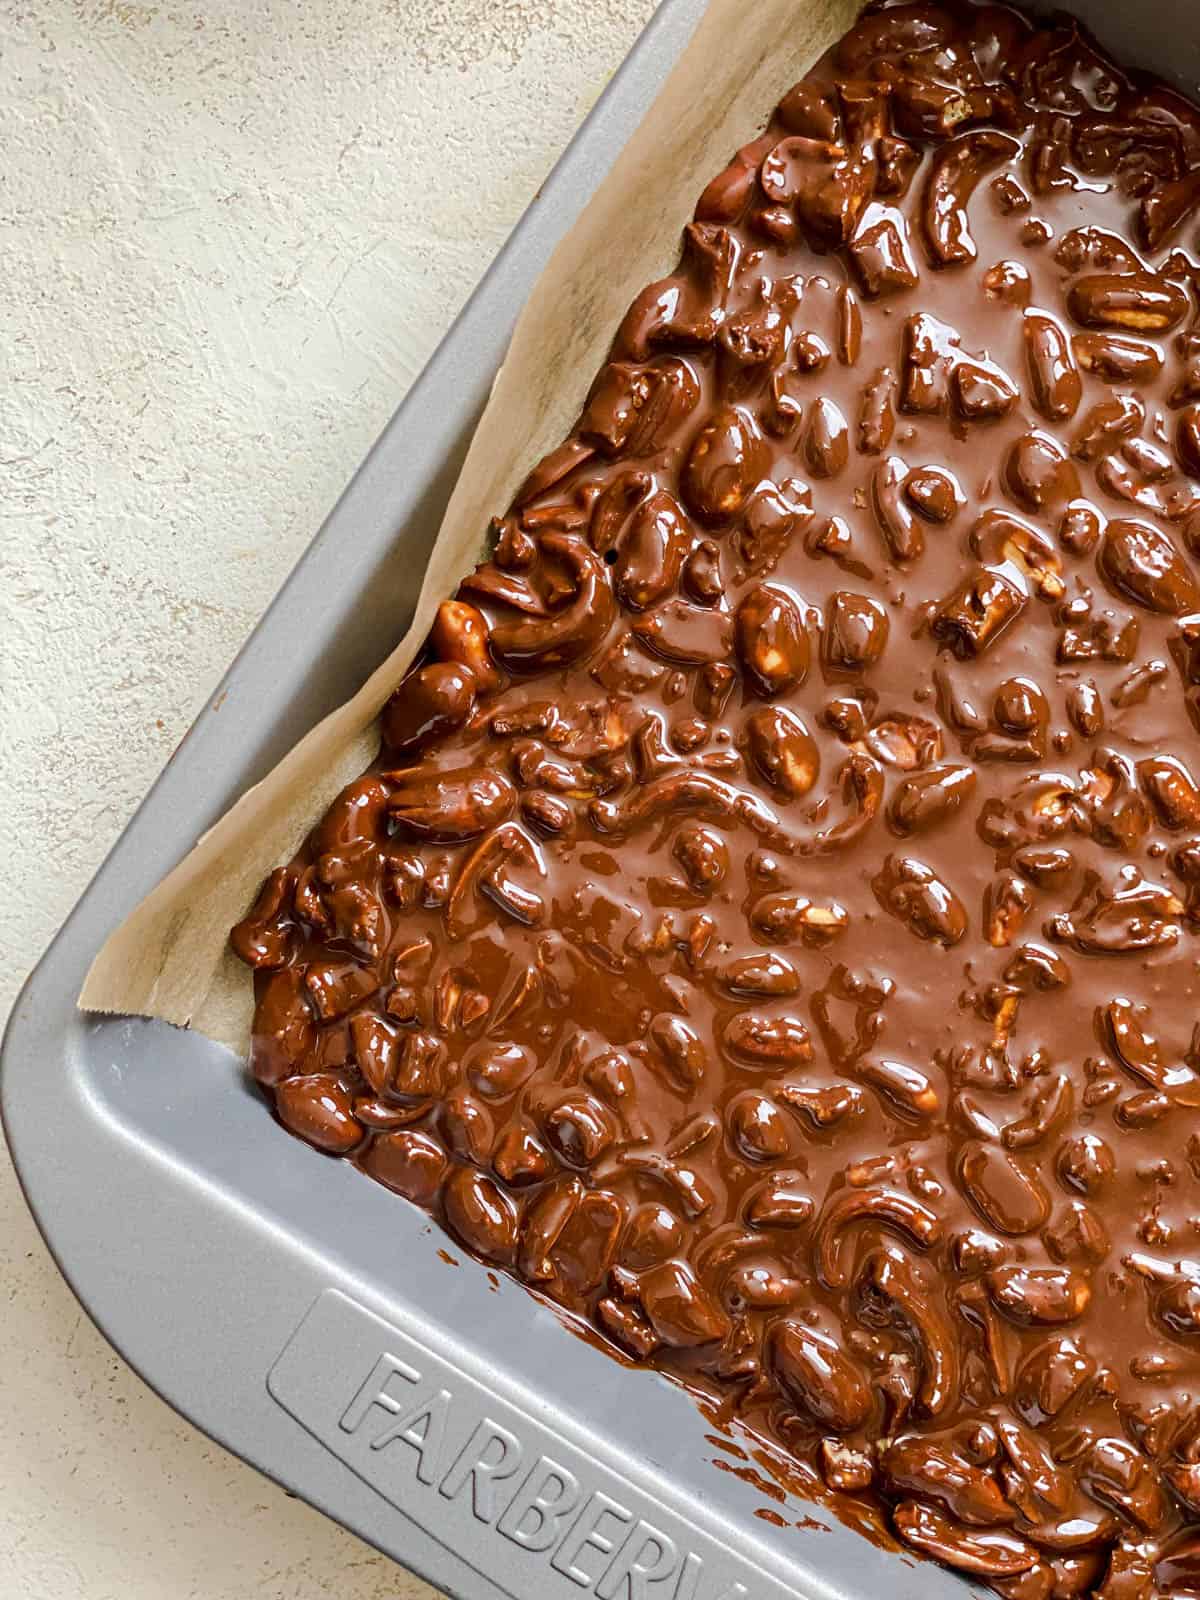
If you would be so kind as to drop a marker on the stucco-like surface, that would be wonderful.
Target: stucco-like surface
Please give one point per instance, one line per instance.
(230, 234)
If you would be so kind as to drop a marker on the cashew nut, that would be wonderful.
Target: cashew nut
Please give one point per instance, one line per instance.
(531, 643)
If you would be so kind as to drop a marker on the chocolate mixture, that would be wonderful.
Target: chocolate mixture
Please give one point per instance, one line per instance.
(770, 927)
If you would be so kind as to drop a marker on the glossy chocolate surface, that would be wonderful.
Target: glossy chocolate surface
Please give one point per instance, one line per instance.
(770, 928)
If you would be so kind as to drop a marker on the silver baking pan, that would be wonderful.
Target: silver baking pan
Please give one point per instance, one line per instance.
(305, 1318)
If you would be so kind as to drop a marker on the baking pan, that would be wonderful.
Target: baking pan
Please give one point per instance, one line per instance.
(310, 1321)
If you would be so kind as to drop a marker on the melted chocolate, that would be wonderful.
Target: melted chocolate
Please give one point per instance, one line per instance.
(770, 927)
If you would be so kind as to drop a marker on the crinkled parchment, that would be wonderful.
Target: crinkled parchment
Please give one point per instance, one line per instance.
(170, 958)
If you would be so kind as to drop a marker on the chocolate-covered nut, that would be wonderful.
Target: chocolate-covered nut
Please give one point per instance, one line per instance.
(827, 184)
(757, 1128)
(617, 398)
(955, 171)
(283, 1026)
(1165, 207)
(988, 1553)
(896, 165)
(1079, 528)
(928, 111)
(914, 894)
(466, 1127)
(1008, 1196)
(767, 1042)
(782, 750)
(496, 1069)
(1117, 1473)
(1176, 1305)
(530, 642)
(780, 1201)
(520, 1159)
(701, 574)
(1172, 791)
(318, 1108)
(905, 1090)
(703, 855)
(685, 635)
(1038, 473)
(1041, 1296)
(971, 618)
(416, 1069)
(427, 706)
(1086, 709)
(1056, 385)
(1050, 1378)
(1086, 1163)
(1077, 1237)
(680, 1309)
(928, 799)
(933, 493)
(1019, 706)
(877, 413)
(583, 1252)
(1006, 904)
(1034, 967)
(881, 252)
(826, 440)
(810, 108)
(1187, 439)
(627, 1328)
(727, 459)
(1116, 358)
(1140, 562)
(981, 391)
(450, 807)
(680, 1048)
(1105, 425)
(817, 1378)
(375, 1045)
(578, 1129)
(791, 915)
(762, 976)
(855, 633)
(901, 530)
(824, 1108)
(357, 817)
(481, 1214)
(1139, 301)
(1008, 281)
(460, 633)
(772, 641)
(336, 987)
(653, 1234)
(845, 1468)
(728, 192)
(682, 311)
(264, 939)
(410, 1162)
(651, 552)
(554, 466)
(935, 1472)
(931, 348)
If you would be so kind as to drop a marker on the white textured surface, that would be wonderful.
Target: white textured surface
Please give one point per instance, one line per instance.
(230, 234)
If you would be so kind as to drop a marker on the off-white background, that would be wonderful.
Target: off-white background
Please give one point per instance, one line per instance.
(231, 231)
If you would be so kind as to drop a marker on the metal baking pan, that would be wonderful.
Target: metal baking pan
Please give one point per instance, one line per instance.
(307, 1319)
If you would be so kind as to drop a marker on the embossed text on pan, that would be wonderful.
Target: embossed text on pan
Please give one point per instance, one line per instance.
(770, 928)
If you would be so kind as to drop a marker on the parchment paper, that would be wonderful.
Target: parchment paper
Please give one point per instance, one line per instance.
(169, 958)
